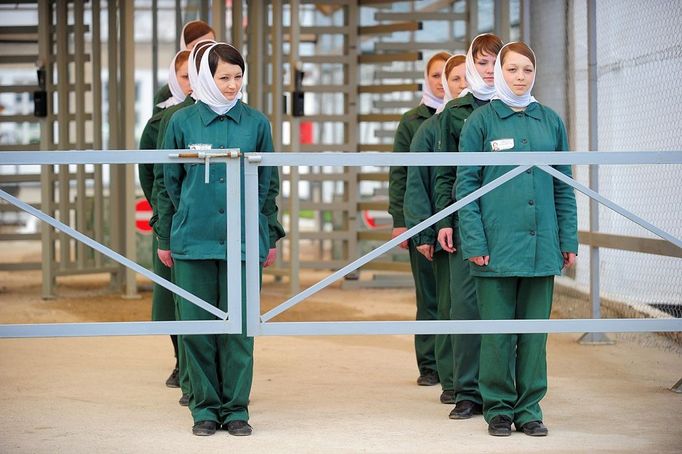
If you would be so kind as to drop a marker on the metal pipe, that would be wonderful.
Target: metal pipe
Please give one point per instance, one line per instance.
(155, 46)
(96, 49)
(79, 60)
(237, 23)
(593, 108)
(63, 127)
(295, 142)
(45, 51)
(127, 207)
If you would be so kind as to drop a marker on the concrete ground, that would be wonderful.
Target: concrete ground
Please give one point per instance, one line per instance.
(310, 394)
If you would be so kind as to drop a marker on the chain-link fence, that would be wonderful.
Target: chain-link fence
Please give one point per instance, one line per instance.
(638, 51)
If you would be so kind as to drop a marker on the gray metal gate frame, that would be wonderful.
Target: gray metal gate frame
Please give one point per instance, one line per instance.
(259, 325)
(225, 324)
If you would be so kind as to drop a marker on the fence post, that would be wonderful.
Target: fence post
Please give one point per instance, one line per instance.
(593, 338)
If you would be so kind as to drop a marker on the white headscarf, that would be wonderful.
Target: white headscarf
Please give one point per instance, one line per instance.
(177, 95)
(207, 90)
(192, 67)
(477, 85)
(502, 90)
(444, 80)
(428, 98)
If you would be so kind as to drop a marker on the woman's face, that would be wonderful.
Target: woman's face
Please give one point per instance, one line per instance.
(228, 78)
(485, 65)
(457, 80)
(434, 81)
(208, 35)
(183, 78)
(519, 72)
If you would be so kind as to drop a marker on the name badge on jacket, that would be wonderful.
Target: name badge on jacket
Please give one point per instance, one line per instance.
(200, 146)
(502, 144)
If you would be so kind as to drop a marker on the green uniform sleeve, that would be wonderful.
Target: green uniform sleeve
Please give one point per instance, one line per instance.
(164, 208)
(469, 179)
(417, 203)
(173, 173)
(442, 197)
(146, 171)
(163, 126)
(564, 200)
(397, 176)
(446, 175)
(270, 190)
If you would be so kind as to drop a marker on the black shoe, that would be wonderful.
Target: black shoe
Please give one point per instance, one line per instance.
(428, 378)
(500, 426)
(238, 428)
(465, 409)
(204, 428)
(184, 400)
(447, 397)
(173, 381)
(534, 429)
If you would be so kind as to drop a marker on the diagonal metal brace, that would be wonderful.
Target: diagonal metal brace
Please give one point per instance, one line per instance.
(113, 255)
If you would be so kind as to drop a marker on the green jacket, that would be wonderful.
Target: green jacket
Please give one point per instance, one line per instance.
(527, 223)
(198, 226)
(160, 96)
(419, 192)
(162, 227)
(397, 176)
(452, 120)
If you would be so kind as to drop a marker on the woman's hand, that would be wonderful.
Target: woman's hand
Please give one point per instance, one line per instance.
(445, 240)
(397, 231)
(569, 259)
(427, 251)
(272, 256)
(165, 257)
(481, 260)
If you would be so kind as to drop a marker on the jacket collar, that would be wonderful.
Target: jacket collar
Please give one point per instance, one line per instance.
(504, 111)
(208, 116)
(425, 111)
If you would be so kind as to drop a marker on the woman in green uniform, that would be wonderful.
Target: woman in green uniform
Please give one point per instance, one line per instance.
(418, 206)
(422, 271)
(163, 306)
(516, 238)
(479, 64)
(220, 366)
(192, 33)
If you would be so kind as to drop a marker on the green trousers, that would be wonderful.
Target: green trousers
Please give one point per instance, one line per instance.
(220, 366)
(513, 372)
(427, 309)
(163, 304)
(443, 344)
(466, 347)
(182, 362)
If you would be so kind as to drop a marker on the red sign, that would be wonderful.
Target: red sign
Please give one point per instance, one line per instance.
(143, 213)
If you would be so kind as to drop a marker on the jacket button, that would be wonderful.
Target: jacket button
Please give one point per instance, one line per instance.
(532, 233)
(529, 171)
(221, 211)
(531, 202)
(222, 241)
(523, 141)
(222, 147)
(222, 180)
(222, 118)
